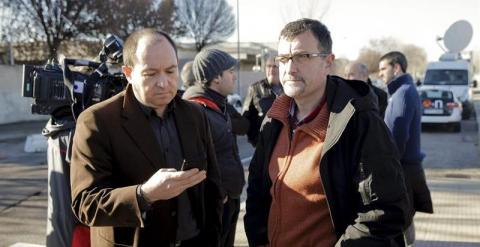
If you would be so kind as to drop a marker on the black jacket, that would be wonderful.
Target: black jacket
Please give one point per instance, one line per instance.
(259, 99)
(228, 159)
(382, 98)
(360, 172)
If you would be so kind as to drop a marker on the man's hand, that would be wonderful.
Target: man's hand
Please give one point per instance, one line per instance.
(168, 183)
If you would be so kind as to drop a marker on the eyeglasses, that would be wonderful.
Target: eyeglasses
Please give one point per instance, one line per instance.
(271, 66)
(300, 58)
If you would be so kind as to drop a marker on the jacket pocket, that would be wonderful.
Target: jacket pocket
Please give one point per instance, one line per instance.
(365, 186)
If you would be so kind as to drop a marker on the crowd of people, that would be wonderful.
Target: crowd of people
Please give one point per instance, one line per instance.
(337, 161)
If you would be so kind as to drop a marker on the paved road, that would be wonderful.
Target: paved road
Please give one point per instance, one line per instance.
(23, 198)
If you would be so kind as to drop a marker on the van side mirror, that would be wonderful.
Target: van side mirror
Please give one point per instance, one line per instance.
(419, 83)
(474, 82)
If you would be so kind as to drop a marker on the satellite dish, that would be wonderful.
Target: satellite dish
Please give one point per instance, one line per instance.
(458, 36)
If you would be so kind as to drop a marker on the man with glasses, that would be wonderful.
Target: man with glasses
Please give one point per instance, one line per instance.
(260, 97)
(324, 172)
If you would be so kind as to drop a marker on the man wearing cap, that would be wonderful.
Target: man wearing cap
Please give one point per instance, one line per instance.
(215, 75)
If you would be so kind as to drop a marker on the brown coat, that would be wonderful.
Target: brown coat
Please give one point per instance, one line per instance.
(115, 150)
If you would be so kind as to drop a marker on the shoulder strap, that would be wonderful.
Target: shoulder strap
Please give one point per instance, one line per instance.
(206, 102)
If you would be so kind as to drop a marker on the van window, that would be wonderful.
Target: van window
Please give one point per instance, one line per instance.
(446, 77)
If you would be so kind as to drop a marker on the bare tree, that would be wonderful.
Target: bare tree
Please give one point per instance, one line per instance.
(339, 67)
(370, 57)
(416, 56)
(293, 10)
(417, 59)
(124, 17)
(206, 22)
(53, 21)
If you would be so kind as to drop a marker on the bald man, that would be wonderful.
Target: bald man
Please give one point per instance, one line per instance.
(359, 71)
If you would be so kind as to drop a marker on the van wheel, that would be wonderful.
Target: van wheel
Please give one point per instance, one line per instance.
(456, 127)
(467, 111)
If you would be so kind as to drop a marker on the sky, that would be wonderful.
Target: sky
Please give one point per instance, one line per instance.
(352, 23)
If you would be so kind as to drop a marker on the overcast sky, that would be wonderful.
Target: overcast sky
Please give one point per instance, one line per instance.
(353, 23)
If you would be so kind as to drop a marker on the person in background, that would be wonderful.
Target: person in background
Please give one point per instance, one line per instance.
(260, 97)
(214, 71)
(187, 75)
(359, 71)
(403, 118)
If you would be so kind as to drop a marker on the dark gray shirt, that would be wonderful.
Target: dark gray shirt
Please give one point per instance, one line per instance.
(170, 148)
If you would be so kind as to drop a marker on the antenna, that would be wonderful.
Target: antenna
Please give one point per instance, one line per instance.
(458, 36)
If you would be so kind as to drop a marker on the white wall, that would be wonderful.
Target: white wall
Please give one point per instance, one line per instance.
(14, 107)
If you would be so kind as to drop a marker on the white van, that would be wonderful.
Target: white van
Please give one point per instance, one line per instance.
(454, 74)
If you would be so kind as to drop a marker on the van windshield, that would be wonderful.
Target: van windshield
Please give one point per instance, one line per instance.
(446, 77)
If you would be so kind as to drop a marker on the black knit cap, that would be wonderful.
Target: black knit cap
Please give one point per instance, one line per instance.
(209, 63)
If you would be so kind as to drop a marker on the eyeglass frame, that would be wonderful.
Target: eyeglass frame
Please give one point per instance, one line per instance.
(308, 55)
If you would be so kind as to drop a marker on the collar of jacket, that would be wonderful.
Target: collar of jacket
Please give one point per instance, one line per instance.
(149, 112)
(398, 82)
(203, 92)
(344, 98)
(340, 92)
(265, 84)
(135, 125)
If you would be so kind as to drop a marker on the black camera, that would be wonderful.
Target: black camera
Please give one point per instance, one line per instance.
(55, 88)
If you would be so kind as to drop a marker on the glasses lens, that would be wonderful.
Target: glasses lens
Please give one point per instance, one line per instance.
(301, 58)
(282, 59)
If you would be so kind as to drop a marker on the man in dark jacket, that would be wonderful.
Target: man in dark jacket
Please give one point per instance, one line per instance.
(359, 71)
(324, 172)
(143, 169)
(214, 71)
(403, 118)
(260, 97)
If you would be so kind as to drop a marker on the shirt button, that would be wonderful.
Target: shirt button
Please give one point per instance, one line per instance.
(173, 213)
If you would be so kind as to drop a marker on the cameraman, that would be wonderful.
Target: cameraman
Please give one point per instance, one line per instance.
(144, 170)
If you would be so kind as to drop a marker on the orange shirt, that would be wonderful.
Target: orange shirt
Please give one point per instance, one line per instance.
(299, 214)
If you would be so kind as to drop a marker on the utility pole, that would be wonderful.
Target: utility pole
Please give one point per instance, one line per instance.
(238, 47)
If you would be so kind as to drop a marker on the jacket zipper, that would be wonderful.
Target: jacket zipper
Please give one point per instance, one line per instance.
(282, 174)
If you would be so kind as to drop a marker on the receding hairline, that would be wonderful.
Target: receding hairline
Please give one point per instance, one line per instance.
(292, 37)
(151, 38)
(361, 67)
(140, 36)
